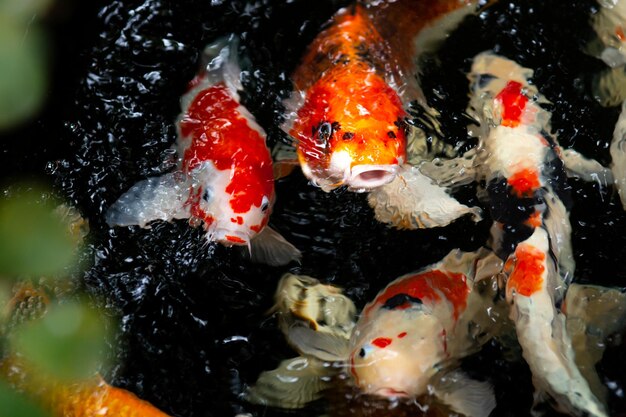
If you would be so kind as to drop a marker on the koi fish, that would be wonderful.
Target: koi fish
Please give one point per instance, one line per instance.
(408, 337)
(401, 344)
(224, 178)
(523, 167)
(346, 113)
(93, 397)
(84, 398)
(408, 340)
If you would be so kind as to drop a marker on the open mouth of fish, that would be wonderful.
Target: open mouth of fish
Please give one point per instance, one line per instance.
(367, 177)
(390, 392)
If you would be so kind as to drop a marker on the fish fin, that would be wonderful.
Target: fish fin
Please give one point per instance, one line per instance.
(292, 385)
(269, 247)
(285, 159)
(453, 172)
(618, 155)
(559, 229)
(421, 147)
(579, 166)
(323, 346)
(609, 86)
(465, 395)
(592, 314)
(414, 201)
(156, 198)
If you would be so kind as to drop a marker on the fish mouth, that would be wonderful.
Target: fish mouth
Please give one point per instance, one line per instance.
(368, 177)
(232, 238)
(390, 392)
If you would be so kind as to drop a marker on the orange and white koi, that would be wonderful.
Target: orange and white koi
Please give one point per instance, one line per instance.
(408, 337)
(521, 164)
(347, 111)
(225, 176)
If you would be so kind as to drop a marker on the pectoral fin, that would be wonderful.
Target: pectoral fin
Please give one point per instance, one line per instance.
(269, 247)
(157, 198)
(285, 160)
(465, 395)
(293, 384)
(323, 346)
(579, 166)
(414, 201)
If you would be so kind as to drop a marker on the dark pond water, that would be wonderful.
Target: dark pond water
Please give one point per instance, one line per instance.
(193, 327)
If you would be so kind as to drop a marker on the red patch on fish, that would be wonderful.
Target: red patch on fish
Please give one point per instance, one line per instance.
(524, 182)
(235, 239)
(220, 134)
(428, 286)
(513, 103)
(528, 268)
(401, 335)
(381, 342)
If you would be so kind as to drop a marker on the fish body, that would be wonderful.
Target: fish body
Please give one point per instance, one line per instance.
(93, 397)
(225, 176)
(347, 111)
(408, 337)
(521, 163)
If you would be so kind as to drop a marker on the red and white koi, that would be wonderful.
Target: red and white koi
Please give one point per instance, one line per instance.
(347, 111)
(524, 173)
(407, 338)
(225, 177)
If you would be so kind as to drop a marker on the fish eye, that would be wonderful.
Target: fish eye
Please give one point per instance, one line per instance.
(365, 351)
(206, 196)
(265, 204)
(324, 132)
(483, 79)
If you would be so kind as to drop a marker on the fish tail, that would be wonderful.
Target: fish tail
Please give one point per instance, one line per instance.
(156, 198)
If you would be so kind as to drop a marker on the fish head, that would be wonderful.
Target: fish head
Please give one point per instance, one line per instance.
(235, 204)
(396, 353)
(350, 131)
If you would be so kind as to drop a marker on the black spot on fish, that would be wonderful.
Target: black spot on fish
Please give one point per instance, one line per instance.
(400, 300)
(483, 79)
(391, 134)
(348, 136)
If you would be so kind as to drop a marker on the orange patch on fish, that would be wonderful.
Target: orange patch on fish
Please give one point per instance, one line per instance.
(524, 182)
(513, 103)
(349, 98)
(381, 342)
(535, 220)
(428, 287)
(619, 32)
(528, 268)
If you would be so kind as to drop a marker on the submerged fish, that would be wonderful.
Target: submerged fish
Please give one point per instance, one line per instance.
(408, 341)
(82, 398)
(225, 176)
(347, 111)
(525, 171)
(88, 398)
(408, 338)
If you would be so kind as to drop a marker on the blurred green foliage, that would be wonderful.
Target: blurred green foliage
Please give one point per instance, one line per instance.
(69, 342)
(16, 405)
(34, 240)
(61, 340)
(23, 60)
